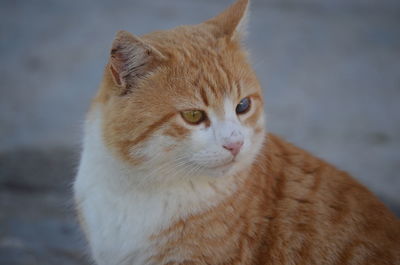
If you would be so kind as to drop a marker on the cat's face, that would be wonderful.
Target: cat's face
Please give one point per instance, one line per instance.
(192, 107)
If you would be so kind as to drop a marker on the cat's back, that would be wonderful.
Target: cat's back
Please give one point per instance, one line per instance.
(322, 215)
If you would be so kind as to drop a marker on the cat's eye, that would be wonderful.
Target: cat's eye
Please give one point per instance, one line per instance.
(193, 116)
(243, 106)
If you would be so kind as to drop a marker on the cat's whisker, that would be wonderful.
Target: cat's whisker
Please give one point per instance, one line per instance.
(167, 168)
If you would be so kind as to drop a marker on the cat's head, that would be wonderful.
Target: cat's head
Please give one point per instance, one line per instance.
(184, 102)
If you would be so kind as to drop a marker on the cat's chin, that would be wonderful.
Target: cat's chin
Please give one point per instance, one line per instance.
(226, 169)
(224, 165)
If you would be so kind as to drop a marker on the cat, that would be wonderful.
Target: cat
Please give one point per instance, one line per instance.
(177, 167)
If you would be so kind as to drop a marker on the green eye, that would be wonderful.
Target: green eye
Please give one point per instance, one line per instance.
(193, 116)
(243, 106)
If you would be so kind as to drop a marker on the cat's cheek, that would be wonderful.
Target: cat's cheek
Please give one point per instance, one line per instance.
(248, 140)
(156, 150)
(252, 145)
(199, 140)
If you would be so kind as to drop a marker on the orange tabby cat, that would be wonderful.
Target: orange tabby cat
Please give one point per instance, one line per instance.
(176, 167)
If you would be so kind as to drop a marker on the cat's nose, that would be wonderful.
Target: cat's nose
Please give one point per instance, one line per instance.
(233, 147)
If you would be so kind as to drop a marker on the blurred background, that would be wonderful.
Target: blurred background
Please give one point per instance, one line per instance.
(330, 69)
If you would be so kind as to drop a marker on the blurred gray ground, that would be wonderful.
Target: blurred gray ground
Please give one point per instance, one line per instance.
(330, 69)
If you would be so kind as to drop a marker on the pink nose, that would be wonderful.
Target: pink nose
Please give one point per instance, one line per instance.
(234, 147)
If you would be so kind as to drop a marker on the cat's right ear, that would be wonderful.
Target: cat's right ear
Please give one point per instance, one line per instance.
(130, 59)
(232, 22)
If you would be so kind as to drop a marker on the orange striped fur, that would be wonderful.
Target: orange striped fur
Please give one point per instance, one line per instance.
(292, 208)
(282, 207)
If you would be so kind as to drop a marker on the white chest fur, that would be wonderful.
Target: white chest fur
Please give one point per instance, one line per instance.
(119, 217)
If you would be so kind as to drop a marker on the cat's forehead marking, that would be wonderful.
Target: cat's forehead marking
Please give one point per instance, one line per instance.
(204, 96)
(223, 110)
(213, 76)
(237, 87)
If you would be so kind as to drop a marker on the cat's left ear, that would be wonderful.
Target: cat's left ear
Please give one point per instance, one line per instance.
(131, 58)
(232, 22)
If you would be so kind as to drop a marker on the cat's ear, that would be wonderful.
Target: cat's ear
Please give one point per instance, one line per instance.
(130, 59)
(232, 22)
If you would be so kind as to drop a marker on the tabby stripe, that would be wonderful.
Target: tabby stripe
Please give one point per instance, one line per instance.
(317, 180)
(176, 130)
(151, 129)
(238, 88)
(347, 253)
(340, 206)
(211, 86)
(203, 95)
(223, 74)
